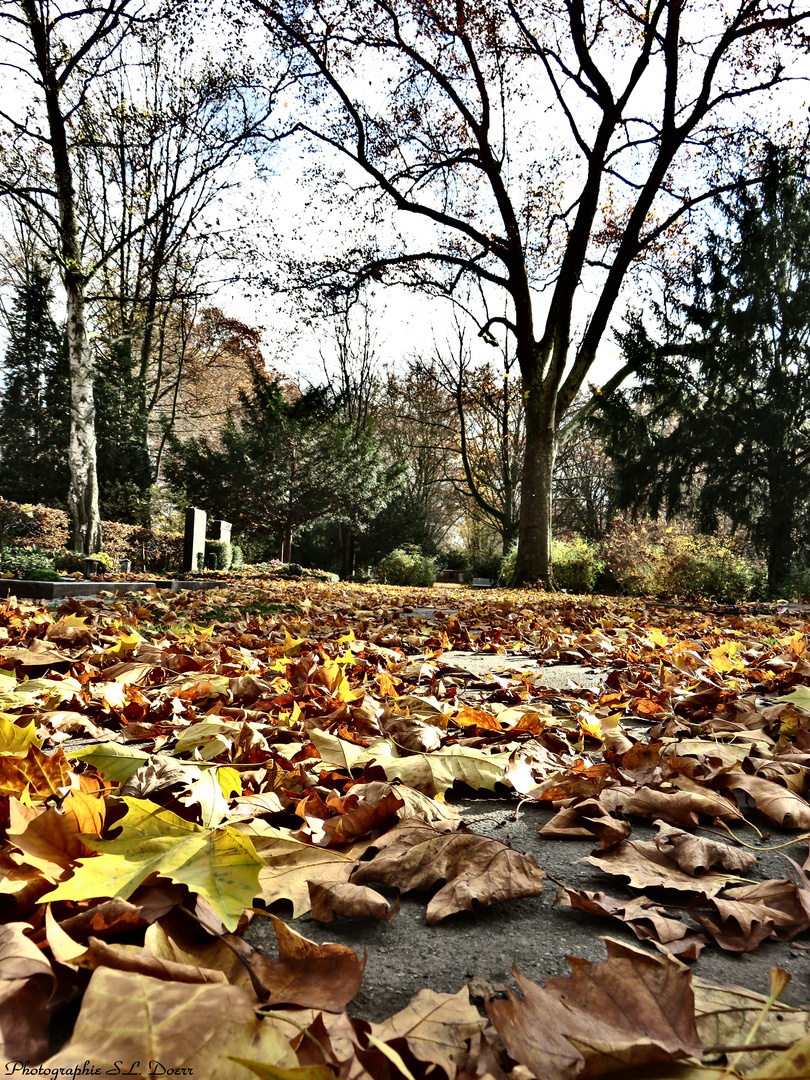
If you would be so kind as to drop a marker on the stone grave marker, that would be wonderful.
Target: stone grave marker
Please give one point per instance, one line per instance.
(194, 539)
(220, 530)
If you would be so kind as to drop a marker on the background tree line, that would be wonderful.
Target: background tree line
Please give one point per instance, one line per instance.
(123, 142)
(713, 429)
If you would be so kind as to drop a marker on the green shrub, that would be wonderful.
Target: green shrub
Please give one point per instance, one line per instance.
(21, 561)
(632, 552)
(710, 566)
(237, 557)
(42, 575)
(507, 574)
(576, 564)
(668, 561)
(453, 559)
(69, 562)
(795, 585)
(488, 565)
(219, 553)
(407, 565)
(15, 524)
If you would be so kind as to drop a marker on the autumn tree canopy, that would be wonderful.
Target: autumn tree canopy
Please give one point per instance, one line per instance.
(544, 150)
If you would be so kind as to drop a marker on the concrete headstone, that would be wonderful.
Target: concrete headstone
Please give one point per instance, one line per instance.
(194, 540)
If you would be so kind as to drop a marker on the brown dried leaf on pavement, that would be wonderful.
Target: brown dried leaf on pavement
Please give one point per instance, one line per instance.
(361, 817)
(415, 856)
(726, 1015)
(436, 1029)
(782, 807)
(695, 855)
(26, 984)
(344, 900)
(587, 818)
(290, 864)
(103, 920)
(648, 921)
(739, 927)
(128, 1017)
(747, 916)
(314, 976)
(415, 803)
(646, 867)
(632, 1010)
(785, 903)
(41, 774)
(51, 840)
(98, 953)
(676, 807)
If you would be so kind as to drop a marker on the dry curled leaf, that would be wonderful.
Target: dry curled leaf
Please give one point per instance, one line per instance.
(348, 901)
(314, 976)
(630, 1011)
(695, 855)
(475, 869)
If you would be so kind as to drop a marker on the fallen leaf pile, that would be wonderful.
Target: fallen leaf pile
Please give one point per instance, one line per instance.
(172, 766)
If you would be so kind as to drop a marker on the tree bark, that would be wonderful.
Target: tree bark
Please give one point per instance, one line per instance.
(85, 519)
(534, 547)
(83, 493)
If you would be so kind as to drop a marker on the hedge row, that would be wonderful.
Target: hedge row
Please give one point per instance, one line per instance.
(149, 549)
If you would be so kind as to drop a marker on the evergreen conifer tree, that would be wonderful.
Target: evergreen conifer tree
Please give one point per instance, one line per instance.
(35, 404)
(719, 421)
(124, 472)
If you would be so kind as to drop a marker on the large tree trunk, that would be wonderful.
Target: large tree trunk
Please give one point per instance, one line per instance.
(346, 540)
(83, 492)
(85, 519)
(534, 530)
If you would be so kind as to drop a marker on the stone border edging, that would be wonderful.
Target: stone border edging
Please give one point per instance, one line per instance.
(55, 590)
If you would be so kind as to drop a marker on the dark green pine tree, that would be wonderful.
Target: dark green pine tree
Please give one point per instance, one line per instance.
(719, 420)
(124, 470)
(281, 465)
(35, 404)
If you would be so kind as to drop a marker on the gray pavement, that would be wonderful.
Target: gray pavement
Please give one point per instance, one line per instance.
(406, 955)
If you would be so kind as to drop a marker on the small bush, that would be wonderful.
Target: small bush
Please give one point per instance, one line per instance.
(453, 559)
(632, 554)
(22, 561)
(507, 574)
(407, 565)
(795, 585)
(15, 524)
(42, 575)
(69, 562)
(218, 554)
(576, 564)
(237, 557)
(488, 566)
(668, 561)
(710, 566)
